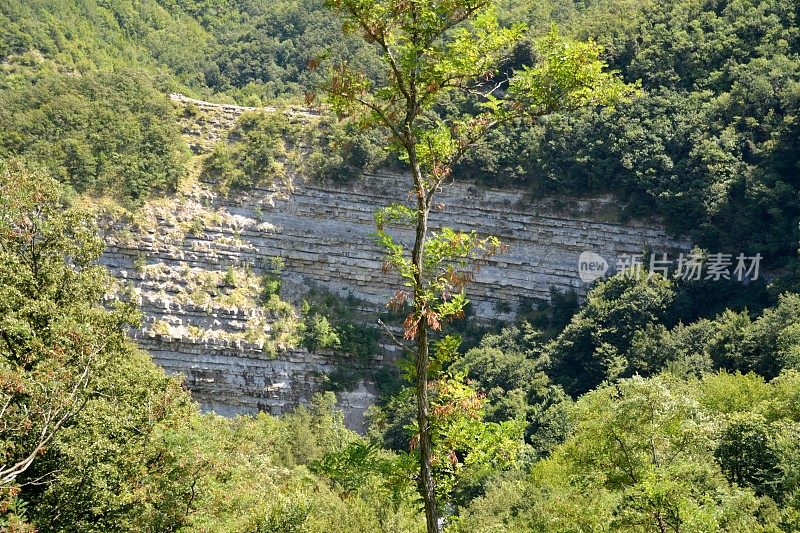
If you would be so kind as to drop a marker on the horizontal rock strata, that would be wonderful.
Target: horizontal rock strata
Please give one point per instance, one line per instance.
(232, 351)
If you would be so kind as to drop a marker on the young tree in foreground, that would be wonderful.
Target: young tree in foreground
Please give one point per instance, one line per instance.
(429, 49)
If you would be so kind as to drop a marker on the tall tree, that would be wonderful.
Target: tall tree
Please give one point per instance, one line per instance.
(430, 48)
(54, 331)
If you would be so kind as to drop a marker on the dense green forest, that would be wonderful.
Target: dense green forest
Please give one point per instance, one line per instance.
(248, 51)
(711, 145)
(656, 404)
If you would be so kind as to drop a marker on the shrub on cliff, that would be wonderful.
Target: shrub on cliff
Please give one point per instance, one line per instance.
(256, 154)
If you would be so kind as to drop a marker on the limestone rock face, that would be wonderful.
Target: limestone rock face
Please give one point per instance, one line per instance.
(193, 261)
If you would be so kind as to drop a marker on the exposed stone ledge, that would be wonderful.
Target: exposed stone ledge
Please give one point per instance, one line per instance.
(323, 233)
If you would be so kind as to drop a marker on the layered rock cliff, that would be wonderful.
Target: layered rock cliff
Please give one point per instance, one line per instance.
(196, 259)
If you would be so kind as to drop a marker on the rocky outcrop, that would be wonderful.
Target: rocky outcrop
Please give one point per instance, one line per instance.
(324, 234)
(231, 380)
(194, 261)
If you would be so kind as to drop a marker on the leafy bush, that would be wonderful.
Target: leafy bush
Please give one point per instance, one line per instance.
(331, 321)
(319, 334)
(592, 348)
(341, 152)
(259, 145)
(271, 280)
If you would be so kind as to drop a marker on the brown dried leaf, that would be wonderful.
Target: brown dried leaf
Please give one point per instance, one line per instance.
(410, 327)
(433, 320)
(398, 300)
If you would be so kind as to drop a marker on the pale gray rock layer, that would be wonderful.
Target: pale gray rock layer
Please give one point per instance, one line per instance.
(323, 233)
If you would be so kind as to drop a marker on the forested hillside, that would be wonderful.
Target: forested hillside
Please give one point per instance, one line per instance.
(249, 51)
(712, 143)
(656, 403)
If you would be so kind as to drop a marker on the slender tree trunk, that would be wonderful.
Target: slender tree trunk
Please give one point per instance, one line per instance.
(427, 489)
(423, 420)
